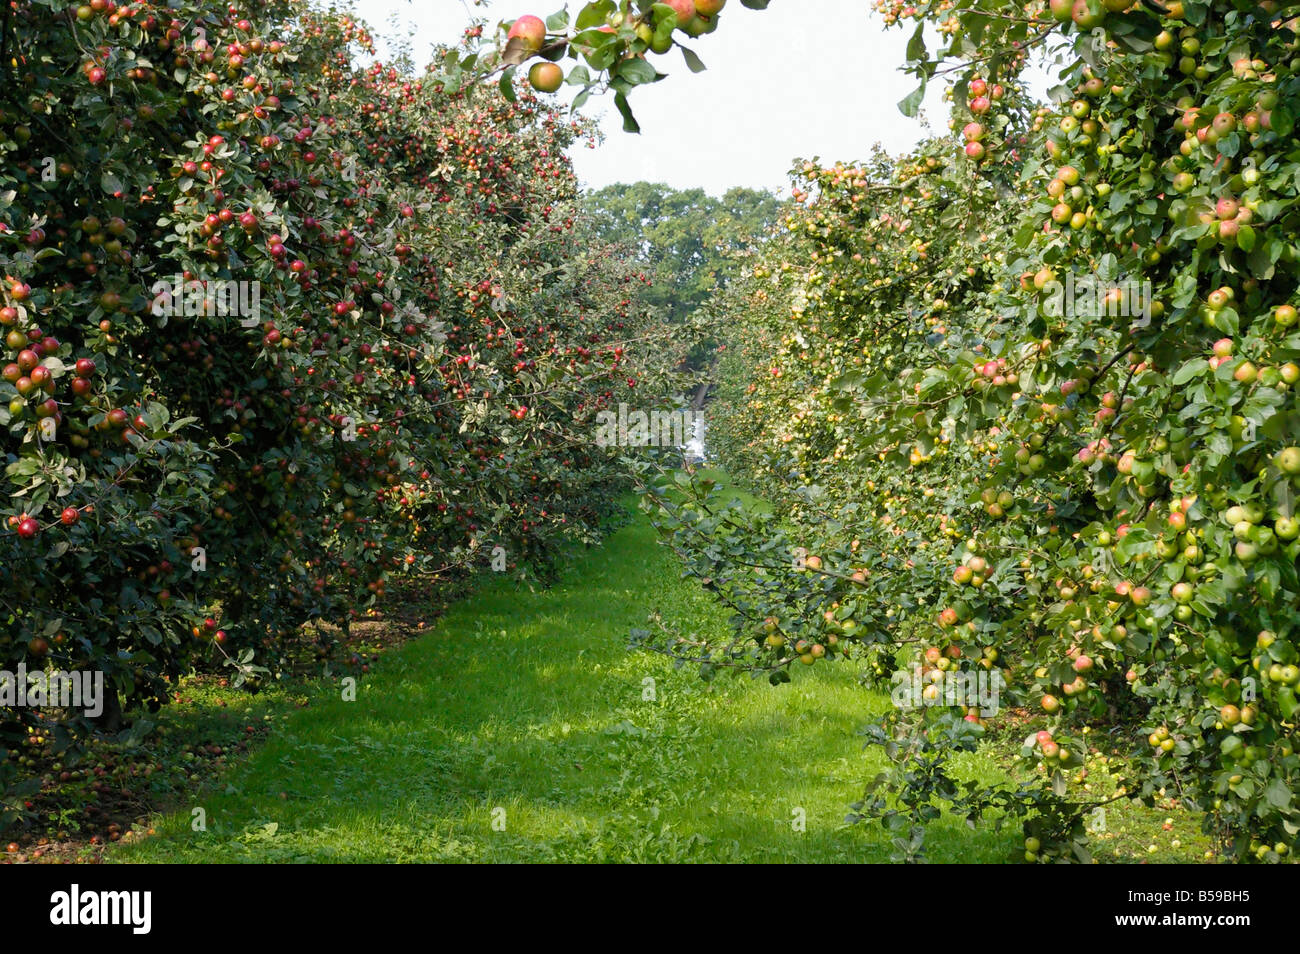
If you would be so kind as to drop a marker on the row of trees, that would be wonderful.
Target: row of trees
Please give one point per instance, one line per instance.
(1044, 425)
(688, 242)
(278, 327)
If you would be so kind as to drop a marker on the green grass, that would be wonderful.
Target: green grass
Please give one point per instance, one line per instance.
(531, 703)
(526, 709)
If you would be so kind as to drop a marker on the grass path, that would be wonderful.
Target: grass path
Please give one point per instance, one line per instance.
(527, 710)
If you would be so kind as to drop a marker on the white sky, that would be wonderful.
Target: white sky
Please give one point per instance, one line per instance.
(802, 79)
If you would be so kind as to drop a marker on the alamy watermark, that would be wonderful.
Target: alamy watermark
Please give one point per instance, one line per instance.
(635, 428)
(1090, 296)
(76, 907)
(199, 297)
(974, 689)
(66, 690)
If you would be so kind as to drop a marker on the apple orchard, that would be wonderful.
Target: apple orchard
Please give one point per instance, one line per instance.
(1098, 504)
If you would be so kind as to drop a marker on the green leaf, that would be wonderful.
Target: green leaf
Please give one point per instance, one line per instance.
(1278, 793)
(507, 84)
(629, 121)
(695, 64)
(594, 14)
(637, 71)
(910, 104)
(1246, 238)
(1286, 701)
(1190, 370)
(665, 21)
(916, 45)
(1282, 121)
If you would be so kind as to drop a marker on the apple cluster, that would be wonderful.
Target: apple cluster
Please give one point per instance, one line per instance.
(607, 38)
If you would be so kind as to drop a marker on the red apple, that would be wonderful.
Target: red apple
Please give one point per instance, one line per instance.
(530, 31)
(685, 10)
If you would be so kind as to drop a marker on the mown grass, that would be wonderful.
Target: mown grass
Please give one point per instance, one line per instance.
(521, 729)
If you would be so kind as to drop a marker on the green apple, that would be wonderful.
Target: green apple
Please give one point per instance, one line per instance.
(1288, 461)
